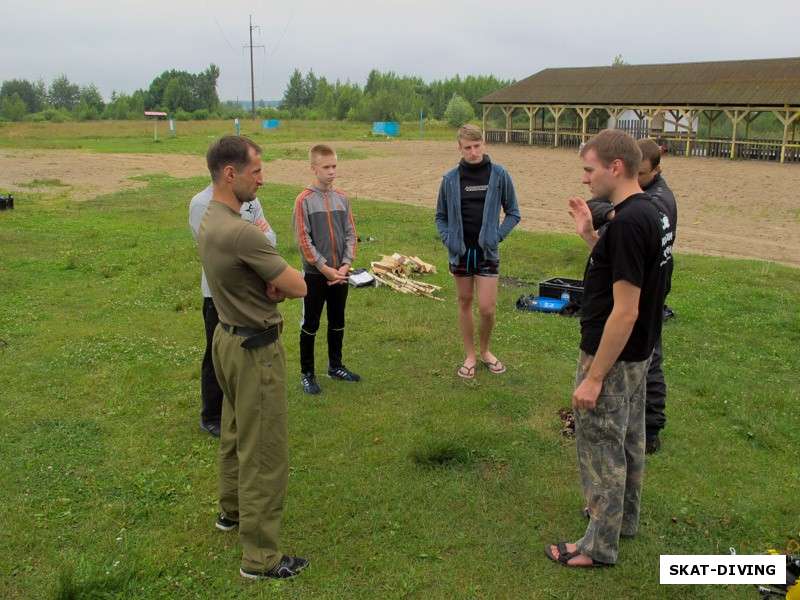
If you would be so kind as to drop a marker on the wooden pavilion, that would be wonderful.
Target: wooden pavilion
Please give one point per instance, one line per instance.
(743, 109)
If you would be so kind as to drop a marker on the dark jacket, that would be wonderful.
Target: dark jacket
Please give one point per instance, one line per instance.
(448, 214)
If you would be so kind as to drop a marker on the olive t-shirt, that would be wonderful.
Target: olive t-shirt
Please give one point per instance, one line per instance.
(238, 262)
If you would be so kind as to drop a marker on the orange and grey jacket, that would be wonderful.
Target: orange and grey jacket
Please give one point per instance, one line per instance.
(324, 229)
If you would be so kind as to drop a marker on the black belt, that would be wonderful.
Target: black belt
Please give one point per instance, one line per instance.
(254, 338)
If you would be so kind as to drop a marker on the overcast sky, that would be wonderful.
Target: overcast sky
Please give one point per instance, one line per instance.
(123, 44)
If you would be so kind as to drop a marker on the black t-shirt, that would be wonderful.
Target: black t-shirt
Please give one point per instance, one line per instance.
(474, 181)
(664, 199)
(631, 249)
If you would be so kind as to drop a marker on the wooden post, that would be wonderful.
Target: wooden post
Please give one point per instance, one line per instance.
(556, 115)
(689, 114)
(784, 118)
(508, 112)
(749, 118)
(584, 113)
(614, 113)
(483, 120)
(530, 112)
(735, 118)
(712, 116)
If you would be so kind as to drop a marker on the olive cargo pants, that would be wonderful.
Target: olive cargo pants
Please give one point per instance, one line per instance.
(253, 449)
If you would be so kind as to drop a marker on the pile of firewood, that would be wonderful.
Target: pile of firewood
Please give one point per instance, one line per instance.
(393, 271)
(401, 265)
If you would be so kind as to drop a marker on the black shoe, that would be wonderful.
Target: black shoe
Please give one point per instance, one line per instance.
(212, 428)
(288, 567)
(343, 374)
(668, 313)
(310, 385)
(223, 523)
(652, 443)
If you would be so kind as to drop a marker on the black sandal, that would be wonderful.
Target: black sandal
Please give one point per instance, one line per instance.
(564, 557)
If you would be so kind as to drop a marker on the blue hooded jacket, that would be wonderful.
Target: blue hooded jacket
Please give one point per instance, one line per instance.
(448, 214)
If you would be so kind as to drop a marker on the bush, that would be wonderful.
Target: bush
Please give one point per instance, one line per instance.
(458, 111)
(56, 115)
(271, 112)
(13, 107)
(37, 117)
(201, 114)
(182, 115)
(86, 112)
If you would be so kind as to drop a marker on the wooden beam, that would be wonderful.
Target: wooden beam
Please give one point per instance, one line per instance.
(689, 114)
(711, 117)
(584, 114)
(531, 110)
(557, 112)
(485, 112)
(787, 119)
(735, 118)
(508, 111)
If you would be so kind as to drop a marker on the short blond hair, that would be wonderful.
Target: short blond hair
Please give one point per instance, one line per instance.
(471, 133)
(320, 150)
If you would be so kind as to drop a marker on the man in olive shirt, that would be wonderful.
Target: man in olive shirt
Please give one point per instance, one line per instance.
(248, 278)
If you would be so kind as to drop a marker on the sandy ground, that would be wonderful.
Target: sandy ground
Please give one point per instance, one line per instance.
(726, 208)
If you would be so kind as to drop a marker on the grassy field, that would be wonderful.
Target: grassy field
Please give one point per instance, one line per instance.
(412, 484)
(192, 137)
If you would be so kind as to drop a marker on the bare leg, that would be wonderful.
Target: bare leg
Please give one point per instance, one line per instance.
(464, 287)
(487, 302)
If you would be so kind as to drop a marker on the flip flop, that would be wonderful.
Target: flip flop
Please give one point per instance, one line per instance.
(495, 367)
(466, 372)
(564, 557)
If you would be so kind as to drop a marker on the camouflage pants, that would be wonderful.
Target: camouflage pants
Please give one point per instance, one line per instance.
(610, 443)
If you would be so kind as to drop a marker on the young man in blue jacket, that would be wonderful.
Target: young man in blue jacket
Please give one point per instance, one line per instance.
(468, 221)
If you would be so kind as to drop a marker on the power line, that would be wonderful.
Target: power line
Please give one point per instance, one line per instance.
(223, 34)
(252, 83)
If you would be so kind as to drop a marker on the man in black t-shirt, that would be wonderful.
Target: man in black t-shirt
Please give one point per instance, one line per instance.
(621, 320)
(654, 185)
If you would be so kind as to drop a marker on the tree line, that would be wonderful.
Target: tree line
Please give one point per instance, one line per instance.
(180, 93)
(386, 96)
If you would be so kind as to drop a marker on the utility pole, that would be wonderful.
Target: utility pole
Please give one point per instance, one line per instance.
(252, 84)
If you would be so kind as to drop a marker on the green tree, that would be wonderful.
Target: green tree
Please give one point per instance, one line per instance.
(458, 111)
(30, 93)
(118, 107)
(205, 88)
(90, 97)
(294, 93)
(618, 61)
(13, 107)
(178, 95)
(63, 94)
(310, 84)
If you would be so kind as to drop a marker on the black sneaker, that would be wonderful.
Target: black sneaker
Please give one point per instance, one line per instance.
(652, 443)
(343, 374)
(310, 385)
(225, 524)
(212, 428)
(288, 567)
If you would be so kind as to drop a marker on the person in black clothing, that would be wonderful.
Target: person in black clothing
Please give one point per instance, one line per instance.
(621, 319)
(653, 183)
